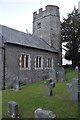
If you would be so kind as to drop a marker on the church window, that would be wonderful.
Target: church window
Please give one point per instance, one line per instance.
(25, 62)
(39, 62)
(49, 63)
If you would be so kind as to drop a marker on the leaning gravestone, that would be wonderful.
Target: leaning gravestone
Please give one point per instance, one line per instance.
(13, 110)
(52, 75)
(42, 113)
(61, 74)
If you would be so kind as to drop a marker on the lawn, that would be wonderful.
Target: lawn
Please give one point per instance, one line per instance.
(32, 96)
(0, 105)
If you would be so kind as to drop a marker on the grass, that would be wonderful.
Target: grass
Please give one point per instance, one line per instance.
(32, 96)
(0, 105)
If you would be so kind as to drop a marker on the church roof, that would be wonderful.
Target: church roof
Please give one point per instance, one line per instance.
(20, 38)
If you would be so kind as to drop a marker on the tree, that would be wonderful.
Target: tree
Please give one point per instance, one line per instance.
(70, 33)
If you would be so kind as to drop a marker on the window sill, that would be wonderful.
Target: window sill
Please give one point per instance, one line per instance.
(25, 69)
(49, 68)
(38, 68)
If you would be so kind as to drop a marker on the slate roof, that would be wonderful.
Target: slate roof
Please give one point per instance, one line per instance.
(20, 38)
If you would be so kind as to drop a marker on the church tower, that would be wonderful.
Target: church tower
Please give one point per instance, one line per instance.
(46, 25)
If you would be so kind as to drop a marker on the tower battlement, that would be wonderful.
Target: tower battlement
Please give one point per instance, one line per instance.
(49, 10)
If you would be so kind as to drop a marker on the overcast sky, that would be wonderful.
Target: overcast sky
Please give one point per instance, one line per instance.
(18, 14)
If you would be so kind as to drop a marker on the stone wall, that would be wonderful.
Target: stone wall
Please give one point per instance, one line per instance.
(12, 70)
(1, 68)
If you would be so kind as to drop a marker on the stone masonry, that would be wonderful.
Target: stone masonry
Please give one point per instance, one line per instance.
(46, 25)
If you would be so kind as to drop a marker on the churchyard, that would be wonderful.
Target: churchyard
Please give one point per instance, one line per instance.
(33, 96)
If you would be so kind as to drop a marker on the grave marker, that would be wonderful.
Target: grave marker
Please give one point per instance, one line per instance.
(42, 113)
(13, 110)
(52, 75)
(61, 74)
(49, 85)
(16, 85)
(73, 88)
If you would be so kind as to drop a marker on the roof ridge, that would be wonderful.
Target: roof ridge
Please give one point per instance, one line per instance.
(14, 29)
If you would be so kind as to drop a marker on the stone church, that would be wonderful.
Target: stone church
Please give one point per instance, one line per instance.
(29, 57)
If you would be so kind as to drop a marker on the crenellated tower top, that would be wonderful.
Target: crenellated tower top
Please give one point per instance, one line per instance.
(49, 10)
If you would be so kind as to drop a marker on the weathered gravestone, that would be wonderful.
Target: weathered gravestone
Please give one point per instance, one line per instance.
(49, 85)
(78, 90)
(16, 85)
(52, 75)
(13, 110)
(42, 113)
(61, 74)
(50, 82)
(73, 88)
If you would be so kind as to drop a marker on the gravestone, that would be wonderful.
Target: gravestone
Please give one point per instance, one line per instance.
(78, 90)
(42, 113)
(13, 110)
(61, 74)
(52, 75)
(73, 88)
(49, 85)
(16, 85)
(50, 82)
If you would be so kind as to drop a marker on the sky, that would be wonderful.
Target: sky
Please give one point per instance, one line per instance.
(18, 14)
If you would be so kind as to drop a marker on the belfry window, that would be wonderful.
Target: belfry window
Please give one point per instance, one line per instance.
(39, 25)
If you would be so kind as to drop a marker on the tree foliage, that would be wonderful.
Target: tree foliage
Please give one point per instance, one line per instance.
(70, 33)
